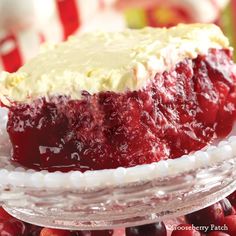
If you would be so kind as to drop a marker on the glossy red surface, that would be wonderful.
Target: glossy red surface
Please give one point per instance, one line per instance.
(12, 227)
(217, 233)
(230, 222)
(155, 229)
(178, 112)
(54, 232)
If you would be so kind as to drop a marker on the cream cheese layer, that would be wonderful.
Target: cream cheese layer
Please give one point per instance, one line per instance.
(108, 61)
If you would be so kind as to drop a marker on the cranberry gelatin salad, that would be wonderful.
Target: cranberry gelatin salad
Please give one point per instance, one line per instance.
(105, 100)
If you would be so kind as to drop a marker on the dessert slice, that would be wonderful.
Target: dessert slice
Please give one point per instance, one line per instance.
(104, 100)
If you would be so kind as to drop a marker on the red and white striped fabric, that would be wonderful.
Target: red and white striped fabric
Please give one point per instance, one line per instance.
(47, 20)
(10, 50)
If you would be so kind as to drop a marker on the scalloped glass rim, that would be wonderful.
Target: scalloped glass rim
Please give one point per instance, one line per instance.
(18, 176)
(121, 206)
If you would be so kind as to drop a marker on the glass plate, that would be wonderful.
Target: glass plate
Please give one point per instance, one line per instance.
(116, 198)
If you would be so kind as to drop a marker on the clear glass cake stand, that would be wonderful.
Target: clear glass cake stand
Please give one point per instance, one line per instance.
(94, 205)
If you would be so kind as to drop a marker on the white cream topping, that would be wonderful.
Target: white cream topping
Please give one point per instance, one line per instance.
(108, 61)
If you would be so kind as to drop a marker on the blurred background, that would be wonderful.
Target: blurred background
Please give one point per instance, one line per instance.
(25, 25)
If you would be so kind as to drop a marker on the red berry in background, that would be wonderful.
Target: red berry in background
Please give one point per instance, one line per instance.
(217, 233)
(232, 198)
(7, 229)
(102, 233)
(233, 211)
(33, 230)
(4, 215)
(185, 230)
(19, 226)
(93, 233)
(54, 232)
(230, 222)
(226, 206)
(213, 214)
(12, 227)
(156, 229)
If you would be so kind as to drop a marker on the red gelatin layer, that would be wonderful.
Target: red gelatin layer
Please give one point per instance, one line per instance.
(178, 112)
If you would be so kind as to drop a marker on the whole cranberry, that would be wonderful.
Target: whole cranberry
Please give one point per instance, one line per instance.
(217, 233)
(185, 230)
(7, 229)
(233, 211)
(33, 230)
(212, 215)
(20, 227)
(5, 215)
(12, 228)
(54, 232)
(101, 232)
(232, 198)
(156, 229)
(230, 222)
(226, 206)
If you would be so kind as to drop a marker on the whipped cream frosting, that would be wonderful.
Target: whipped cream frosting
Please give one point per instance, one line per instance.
(108, 61)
